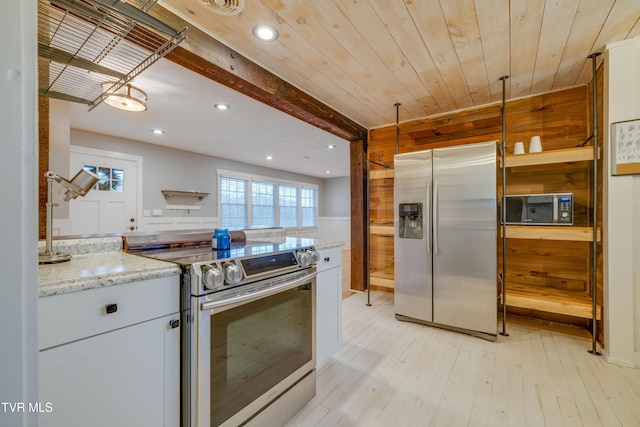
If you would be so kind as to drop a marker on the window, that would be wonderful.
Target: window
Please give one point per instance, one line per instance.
(288, 203)
(309, 207)
(233, 202)
(263, 204)
(109, 179)
(247, 201)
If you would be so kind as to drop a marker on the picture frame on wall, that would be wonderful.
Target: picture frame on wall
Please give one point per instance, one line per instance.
(625, 147)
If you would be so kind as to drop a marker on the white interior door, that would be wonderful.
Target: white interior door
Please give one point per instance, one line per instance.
(111, 206)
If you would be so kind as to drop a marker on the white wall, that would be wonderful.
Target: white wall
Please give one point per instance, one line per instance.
(621, 211)
(18, 210)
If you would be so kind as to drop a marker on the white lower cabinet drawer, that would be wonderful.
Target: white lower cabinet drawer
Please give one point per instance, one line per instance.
(74, 316)
(329, 258)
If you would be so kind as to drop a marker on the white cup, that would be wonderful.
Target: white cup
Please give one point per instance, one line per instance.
(518, 148)
(535, 146)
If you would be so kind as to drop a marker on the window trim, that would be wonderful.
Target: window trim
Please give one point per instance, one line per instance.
(250, 178)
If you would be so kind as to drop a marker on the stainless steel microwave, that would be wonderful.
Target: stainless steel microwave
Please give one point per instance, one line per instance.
(540, 209)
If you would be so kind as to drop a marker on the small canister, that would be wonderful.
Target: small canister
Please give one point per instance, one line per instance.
(221, 239)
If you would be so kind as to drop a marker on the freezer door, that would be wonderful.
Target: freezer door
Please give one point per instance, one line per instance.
(464, 215)
(412, 250)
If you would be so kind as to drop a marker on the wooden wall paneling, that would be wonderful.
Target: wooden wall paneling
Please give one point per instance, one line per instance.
(381, 255)
(556, 267)
(359, 227)
(381, 201)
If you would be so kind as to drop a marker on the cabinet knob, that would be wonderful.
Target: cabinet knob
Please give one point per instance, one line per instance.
(174, 323)
(111, 308)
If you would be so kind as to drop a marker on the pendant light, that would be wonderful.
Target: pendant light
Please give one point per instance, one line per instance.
(126, 98)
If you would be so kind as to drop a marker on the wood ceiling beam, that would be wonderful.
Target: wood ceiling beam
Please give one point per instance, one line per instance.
(212, 59)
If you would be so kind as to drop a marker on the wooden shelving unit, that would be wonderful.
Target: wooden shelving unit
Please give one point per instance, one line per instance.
(551, 300)
(382, 278)
(550, 232)
(184, 194)
(550, 157)
(381, 230)
(547, 298)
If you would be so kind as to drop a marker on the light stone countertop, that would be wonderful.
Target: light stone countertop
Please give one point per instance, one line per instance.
(98, 270)
(99, 262)
(320, 245)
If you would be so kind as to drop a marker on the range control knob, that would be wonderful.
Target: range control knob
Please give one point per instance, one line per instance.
(304, 258)
(315, 256)
(565, 214)
(212, 277)
(232, 274)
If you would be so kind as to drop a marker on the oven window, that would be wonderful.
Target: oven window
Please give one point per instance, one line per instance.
(255, 346)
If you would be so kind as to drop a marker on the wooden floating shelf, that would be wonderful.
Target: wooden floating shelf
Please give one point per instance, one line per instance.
(380, 173)
(382, 230)
(551, 300)
(382, 278)
(188, 194)
(550, 232)
(548, 157)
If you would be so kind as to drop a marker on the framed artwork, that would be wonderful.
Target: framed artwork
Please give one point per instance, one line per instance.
(625, 147)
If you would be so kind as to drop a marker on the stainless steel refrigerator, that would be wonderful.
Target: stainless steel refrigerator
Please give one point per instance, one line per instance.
(445, 238)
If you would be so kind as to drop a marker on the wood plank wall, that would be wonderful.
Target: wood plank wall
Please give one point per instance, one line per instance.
(562, 119)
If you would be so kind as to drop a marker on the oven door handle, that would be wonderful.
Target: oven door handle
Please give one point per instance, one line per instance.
(249, 296)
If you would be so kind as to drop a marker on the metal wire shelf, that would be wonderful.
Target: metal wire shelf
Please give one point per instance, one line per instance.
(83, 43)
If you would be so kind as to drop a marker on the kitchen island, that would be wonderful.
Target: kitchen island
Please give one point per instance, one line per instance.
(120, 343)
(108, 356)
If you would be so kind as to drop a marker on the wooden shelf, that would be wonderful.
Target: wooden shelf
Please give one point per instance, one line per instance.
(550, 232)
(382, 278)
(185, 194)
(380, 173)
(549, 157)
(552, 300)
(382, 230)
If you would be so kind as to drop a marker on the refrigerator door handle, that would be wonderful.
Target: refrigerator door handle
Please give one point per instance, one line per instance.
(435, 217)
(427, 225)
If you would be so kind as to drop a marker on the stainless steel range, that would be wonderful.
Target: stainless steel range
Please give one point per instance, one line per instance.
(248, 327)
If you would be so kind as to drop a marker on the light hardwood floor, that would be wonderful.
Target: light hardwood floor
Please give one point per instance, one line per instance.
(393, 373)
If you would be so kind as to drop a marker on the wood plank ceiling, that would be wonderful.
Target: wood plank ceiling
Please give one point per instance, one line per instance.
(360, 57)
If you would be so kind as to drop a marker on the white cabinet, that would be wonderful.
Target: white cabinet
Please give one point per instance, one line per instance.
(328, 304)
(111, 356)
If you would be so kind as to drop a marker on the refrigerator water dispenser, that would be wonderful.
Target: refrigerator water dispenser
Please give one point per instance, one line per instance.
(410, 221)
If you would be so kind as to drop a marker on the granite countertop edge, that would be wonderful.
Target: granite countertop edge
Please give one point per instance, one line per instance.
(84, 273)
(328, 245)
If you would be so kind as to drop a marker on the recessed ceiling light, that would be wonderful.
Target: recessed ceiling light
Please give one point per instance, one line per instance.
(265, 32)
(269, 157)
(327, 171)
(222, 106)
(157, 131)
(331, 146)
